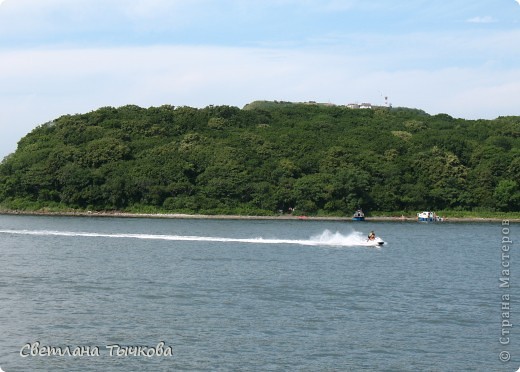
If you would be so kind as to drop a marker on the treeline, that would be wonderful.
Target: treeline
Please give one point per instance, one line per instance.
(264, 158)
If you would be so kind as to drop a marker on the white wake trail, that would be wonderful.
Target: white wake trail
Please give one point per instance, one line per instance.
(326, 238)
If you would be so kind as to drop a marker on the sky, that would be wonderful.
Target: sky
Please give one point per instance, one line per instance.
(61, 57)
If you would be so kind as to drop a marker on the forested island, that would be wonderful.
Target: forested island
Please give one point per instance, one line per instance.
(266, 158)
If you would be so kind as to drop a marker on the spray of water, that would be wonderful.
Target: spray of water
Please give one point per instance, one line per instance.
(355, 238)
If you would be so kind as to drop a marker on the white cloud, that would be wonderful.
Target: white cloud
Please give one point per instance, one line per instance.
(486, 19)
(68, 81)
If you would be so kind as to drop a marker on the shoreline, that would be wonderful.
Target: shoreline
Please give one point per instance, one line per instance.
(284, 217)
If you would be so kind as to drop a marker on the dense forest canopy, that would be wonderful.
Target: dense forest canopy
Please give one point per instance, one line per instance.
(266, 157)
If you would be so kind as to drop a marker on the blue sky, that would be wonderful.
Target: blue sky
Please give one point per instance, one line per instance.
(61, 57)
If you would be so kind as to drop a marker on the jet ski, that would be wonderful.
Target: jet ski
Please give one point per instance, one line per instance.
(376, 242)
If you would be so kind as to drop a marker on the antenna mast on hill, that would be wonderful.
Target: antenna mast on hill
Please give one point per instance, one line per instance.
(387, 104)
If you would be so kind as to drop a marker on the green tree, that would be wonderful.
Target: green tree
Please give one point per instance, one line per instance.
(507, 195)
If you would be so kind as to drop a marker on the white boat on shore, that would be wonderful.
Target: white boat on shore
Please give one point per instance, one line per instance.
(428, 216)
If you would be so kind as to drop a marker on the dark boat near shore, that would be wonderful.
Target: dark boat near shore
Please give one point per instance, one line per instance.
(358, 216)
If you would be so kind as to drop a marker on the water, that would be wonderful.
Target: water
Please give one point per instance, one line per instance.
(254, 295)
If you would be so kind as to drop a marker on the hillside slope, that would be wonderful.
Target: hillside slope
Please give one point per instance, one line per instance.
(264, 158)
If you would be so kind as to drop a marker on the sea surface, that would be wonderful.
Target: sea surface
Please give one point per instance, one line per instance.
(246, 295)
